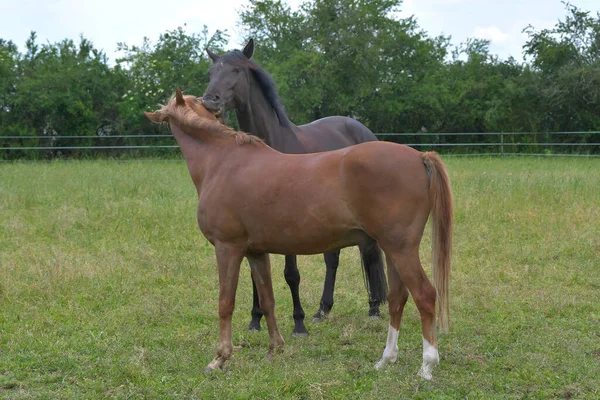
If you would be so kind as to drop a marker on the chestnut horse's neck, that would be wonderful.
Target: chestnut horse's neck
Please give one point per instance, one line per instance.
(200, 149)
(257, 117)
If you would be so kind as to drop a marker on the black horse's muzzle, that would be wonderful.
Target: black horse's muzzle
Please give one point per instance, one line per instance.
(212, 102)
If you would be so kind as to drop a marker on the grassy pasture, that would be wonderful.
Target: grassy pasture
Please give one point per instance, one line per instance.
(108, 290)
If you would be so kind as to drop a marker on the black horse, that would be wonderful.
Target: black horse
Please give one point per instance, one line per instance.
(237, 82)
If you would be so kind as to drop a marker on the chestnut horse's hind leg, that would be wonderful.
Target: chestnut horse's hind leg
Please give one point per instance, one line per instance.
(407, 264)
(229, 258)
(292, 277)
(332, 261)
(396, 301)
(261, 273)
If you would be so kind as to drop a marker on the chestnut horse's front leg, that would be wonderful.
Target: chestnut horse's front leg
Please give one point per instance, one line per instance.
(260, 266)
(229, 258)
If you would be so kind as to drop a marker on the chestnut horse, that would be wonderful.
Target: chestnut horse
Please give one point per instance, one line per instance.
(237, 82)
(314, 203)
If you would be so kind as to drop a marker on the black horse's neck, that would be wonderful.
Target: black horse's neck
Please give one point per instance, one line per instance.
(257, 116)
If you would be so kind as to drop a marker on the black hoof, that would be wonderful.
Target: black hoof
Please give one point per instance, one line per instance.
(299, 328)
(319, 316)
(254, 326)
(374, 313)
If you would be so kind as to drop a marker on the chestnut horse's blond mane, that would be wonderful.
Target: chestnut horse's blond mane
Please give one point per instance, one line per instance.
(188, 117)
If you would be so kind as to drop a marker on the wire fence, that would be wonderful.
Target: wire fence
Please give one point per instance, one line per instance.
(164, 145)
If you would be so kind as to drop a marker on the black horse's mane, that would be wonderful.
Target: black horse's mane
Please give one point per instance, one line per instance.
(266, 83)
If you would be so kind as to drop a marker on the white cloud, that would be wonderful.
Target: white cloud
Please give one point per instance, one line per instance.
(491, 33)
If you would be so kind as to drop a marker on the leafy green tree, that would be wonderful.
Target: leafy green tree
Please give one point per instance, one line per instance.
(568, 60)
(469, 85)
(9, 59)
(343, 57)
(518, 105)
(329, 57)
(62, 89)
(68, 89)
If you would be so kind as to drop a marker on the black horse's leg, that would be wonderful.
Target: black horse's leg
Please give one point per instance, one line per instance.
(374, 274)
(332, 260)
(257, 313)
(292, 277)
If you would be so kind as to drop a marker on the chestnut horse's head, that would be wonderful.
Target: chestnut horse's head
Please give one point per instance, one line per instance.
(177, 106)
(194, 119)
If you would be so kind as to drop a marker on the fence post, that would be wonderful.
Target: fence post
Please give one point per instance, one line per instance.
(502, 143)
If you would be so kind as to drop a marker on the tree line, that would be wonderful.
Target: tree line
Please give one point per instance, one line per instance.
(329, 57)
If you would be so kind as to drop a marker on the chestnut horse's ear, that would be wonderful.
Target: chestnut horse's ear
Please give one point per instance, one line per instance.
(213, 56)
(249, 49)
(154, 116)
(179, 97)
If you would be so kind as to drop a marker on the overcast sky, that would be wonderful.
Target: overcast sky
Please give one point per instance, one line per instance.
(106, 22)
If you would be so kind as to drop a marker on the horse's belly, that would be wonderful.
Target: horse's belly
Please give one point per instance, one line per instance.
(288, 241)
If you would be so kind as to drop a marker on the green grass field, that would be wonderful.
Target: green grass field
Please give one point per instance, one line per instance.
(108, 290)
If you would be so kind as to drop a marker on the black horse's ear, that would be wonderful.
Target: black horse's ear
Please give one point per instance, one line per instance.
(179, 97)
(213, 56)
(249, 49)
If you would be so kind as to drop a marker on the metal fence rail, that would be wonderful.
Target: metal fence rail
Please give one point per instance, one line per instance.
(459, 143)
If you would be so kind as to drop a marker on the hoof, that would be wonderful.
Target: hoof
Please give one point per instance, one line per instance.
(299, 329)
(320, 316)
(216, 363)
(300, 334)
(374, 313)
(254, 326)
(212, 370)
(385, 360)
(425, 374)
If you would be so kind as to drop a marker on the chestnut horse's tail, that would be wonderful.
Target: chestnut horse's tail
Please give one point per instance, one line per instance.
(442, 221)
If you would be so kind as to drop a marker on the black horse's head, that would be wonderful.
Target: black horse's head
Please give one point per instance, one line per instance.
(228, 76)
(233, 76)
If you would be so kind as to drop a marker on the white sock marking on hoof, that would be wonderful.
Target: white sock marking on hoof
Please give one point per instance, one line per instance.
(431, 358)
(390, 354)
